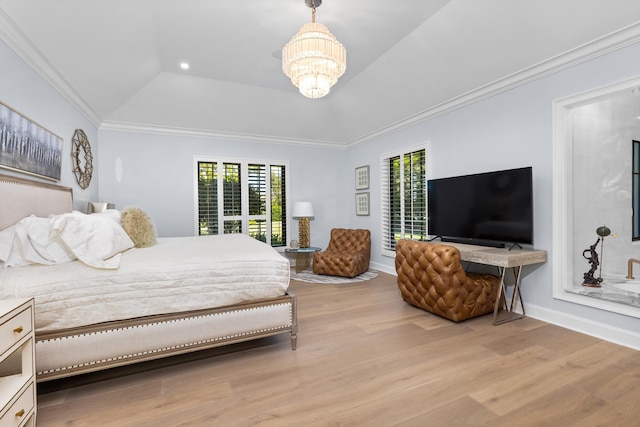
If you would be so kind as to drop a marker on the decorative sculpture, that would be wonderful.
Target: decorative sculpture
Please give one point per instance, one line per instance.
(589, 279)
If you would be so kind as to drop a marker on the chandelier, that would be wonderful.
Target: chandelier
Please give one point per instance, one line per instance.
(314, 60)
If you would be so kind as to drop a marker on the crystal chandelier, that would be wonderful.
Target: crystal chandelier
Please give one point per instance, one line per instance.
(314, 60)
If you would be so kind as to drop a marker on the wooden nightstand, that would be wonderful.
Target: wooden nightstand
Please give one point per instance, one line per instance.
(17, 363)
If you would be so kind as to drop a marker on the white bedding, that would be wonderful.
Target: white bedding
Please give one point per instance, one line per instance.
(176, 274)
(97, 240)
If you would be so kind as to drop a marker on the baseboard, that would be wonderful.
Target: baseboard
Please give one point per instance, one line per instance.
(384, 268)
(599, 330)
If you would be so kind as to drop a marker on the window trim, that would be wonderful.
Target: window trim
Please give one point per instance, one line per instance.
(635, 190)
(244, 178)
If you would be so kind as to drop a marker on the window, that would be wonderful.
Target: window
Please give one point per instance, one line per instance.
(635, 191)
(242, 197)
(404, 198)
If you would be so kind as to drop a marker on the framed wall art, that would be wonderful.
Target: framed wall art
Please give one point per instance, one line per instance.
(362, 204)
(362, 178)
(27, 147)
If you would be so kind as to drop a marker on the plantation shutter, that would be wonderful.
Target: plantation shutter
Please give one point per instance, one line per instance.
(207, 198)
(278, 206)
(232, 198)
(242, 197)
(257, 178)
(415, 196)
(403, 198)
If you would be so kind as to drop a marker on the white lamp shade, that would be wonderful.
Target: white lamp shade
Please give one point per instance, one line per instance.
(302, 210)
(93, 207)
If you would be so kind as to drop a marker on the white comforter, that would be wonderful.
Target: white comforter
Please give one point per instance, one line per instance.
(176, 274)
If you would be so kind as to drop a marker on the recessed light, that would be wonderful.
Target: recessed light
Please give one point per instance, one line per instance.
(184, 65)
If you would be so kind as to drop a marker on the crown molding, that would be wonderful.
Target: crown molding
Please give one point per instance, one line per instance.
(224, 136)
(11, 34)
(588, 51)
(15, 38)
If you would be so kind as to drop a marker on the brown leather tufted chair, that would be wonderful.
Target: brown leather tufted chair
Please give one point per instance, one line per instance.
(431, 277)
(347, 255)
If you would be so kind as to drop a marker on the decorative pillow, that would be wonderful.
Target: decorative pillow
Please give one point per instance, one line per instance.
(37, 241)
(96, 240)
(139, 226)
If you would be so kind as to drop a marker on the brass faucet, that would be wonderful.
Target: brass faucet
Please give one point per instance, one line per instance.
(630, 267)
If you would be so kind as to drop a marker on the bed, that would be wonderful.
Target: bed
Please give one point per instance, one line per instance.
(176, 296)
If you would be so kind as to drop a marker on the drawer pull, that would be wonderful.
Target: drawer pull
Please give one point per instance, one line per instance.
(18, 330)
(20, 413)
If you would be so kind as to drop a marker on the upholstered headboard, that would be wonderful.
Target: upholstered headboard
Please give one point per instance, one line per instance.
(21, 197)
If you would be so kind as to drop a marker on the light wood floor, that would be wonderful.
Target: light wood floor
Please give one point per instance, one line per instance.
(366, 358)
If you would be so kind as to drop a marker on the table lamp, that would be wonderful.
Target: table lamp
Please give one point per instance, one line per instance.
(303, 211)
(99, 207)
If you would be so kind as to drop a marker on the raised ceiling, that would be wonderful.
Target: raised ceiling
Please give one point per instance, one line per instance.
(118, 61)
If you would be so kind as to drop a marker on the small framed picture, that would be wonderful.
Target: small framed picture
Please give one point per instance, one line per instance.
(362, 178)
(362, 204)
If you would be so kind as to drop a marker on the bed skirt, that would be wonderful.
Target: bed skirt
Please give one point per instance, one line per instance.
(64, 353)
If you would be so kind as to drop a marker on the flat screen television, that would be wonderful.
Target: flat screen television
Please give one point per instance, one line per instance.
(489, 209)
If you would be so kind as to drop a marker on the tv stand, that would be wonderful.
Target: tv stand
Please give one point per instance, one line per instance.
(504, 259)
(476, 242)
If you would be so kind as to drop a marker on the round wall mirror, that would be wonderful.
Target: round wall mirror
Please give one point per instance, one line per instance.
(81, 158)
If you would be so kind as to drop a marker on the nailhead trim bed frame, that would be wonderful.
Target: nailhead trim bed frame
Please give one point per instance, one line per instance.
(63, 353)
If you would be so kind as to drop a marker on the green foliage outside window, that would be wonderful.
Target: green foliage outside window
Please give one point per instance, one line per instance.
(259, 190)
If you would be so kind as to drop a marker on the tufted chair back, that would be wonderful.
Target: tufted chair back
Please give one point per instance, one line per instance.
(347, 255)
(431, 277)
(346, 240)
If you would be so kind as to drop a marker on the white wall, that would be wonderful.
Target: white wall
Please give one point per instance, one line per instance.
(602, 151)
(22, 89)
(155, 172)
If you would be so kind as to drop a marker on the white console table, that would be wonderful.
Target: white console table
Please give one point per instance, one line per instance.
(503, 258)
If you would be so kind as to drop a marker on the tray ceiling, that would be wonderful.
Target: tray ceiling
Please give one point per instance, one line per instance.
(118, 61)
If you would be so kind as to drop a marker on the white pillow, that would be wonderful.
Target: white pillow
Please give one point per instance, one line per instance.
(114, 214)
(27, 242)
(96, 240)
(7, 239)
(40, 240)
